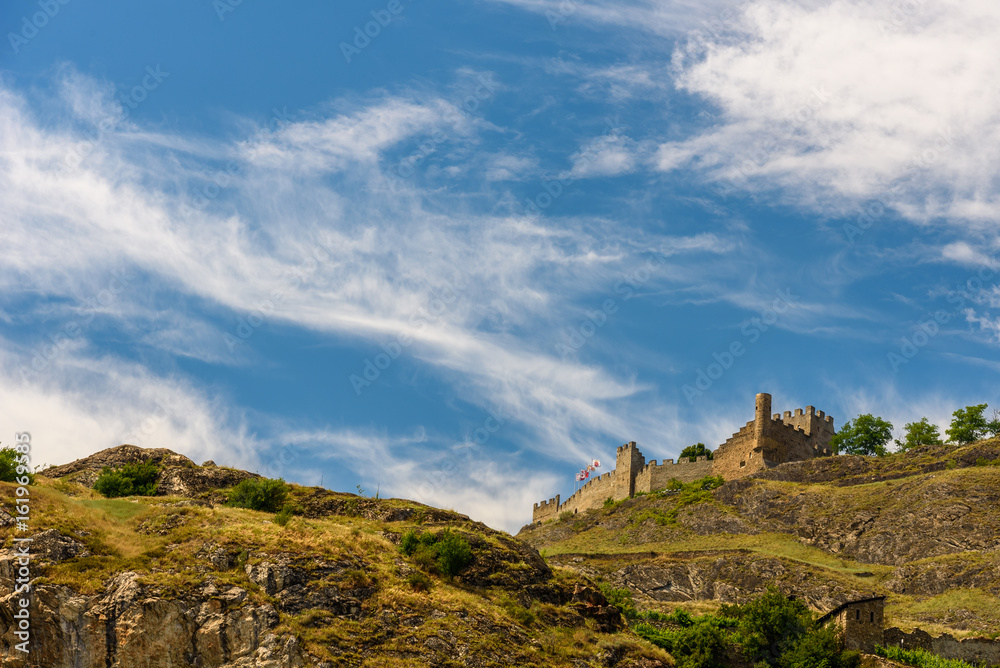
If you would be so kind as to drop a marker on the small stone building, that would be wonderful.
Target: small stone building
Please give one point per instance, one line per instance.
(861, 623)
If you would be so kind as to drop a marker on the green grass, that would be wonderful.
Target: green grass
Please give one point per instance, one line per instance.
(948, 608)
(601, 541)
(116, 509)
(919, 658)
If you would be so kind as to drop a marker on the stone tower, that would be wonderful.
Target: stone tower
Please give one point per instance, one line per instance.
(628, 462)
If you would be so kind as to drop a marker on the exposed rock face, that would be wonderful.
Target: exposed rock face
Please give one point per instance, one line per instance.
(128, 625)
(179, 476)
(118, 456)
(728, 577)
(923, 517)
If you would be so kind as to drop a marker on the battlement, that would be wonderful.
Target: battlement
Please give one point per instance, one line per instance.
(554, 501)
(764, 442)
(670, 462)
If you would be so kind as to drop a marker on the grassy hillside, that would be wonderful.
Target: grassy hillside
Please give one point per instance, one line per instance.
(922, 528)
(332, 584)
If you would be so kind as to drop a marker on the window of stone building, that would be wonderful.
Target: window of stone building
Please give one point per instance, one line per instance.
(857, 615)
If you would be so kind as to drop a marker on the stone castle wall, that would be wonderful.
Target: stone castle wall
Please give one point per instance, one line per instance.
(735, 458)
(653, 476)
(766, 441)
(971, 650)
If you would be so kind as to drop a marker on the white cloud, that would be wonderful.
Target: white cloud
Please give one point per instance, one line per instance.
(74, 405)
(963, 253)
(834, 103)
(306, 232)
(608, 155)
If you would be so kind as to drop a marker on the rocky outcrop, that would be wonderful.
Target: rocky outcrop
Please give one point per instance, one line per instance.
(118, 456)
(179, 475)
(935, 576)
(922, 516)
(734, 576)
(130, 625)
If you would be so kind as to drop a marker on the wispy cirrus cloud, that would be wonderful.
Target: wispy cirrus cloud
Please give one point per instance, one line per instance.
(830, 104)
(305, 232)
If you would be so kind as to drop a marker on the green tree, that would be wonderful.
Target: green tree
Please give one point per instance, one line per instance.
(866, 436)
(13, 467)
(267, 494)
(699, 646)
(696, 450)
(968, 425)
(137, 478)
(770, 625)
(820, 648)
(918, 434)
(993, 426)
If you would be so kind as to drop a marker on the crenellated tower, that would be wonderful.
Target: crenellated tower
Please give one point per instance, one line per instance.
(628, 462)
(766, 441)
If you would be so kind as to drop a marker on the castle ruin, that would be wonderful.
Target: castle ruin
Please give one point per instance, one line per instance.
(766, 441)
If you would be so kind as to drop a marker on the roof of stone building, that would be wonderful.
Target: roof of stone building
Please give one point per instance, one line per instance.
(833, 613)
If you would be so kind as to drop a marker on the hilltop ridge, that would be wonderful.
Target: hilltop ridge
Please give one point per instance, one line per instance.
(920, 527)
(180, 578)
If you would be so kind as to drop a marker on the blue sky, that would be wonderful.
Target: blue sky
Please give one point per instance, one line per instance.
(455, 258)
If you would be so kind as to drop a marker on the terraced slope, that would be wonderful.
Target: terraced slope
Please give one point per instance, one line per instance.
(922, 528)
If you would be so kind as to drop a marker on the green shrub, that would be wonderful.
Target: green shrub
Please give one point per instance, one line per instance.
(699, 646)
(919, 657)
(418, 581)
(566, 516)
(266, 494)
(453, 553)
(135, 479)
(820, 648)
(517, 612)
(621, 599)
(769, 625)
(12, 466)
(283, 515)
(408, 543)
(445, 552)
